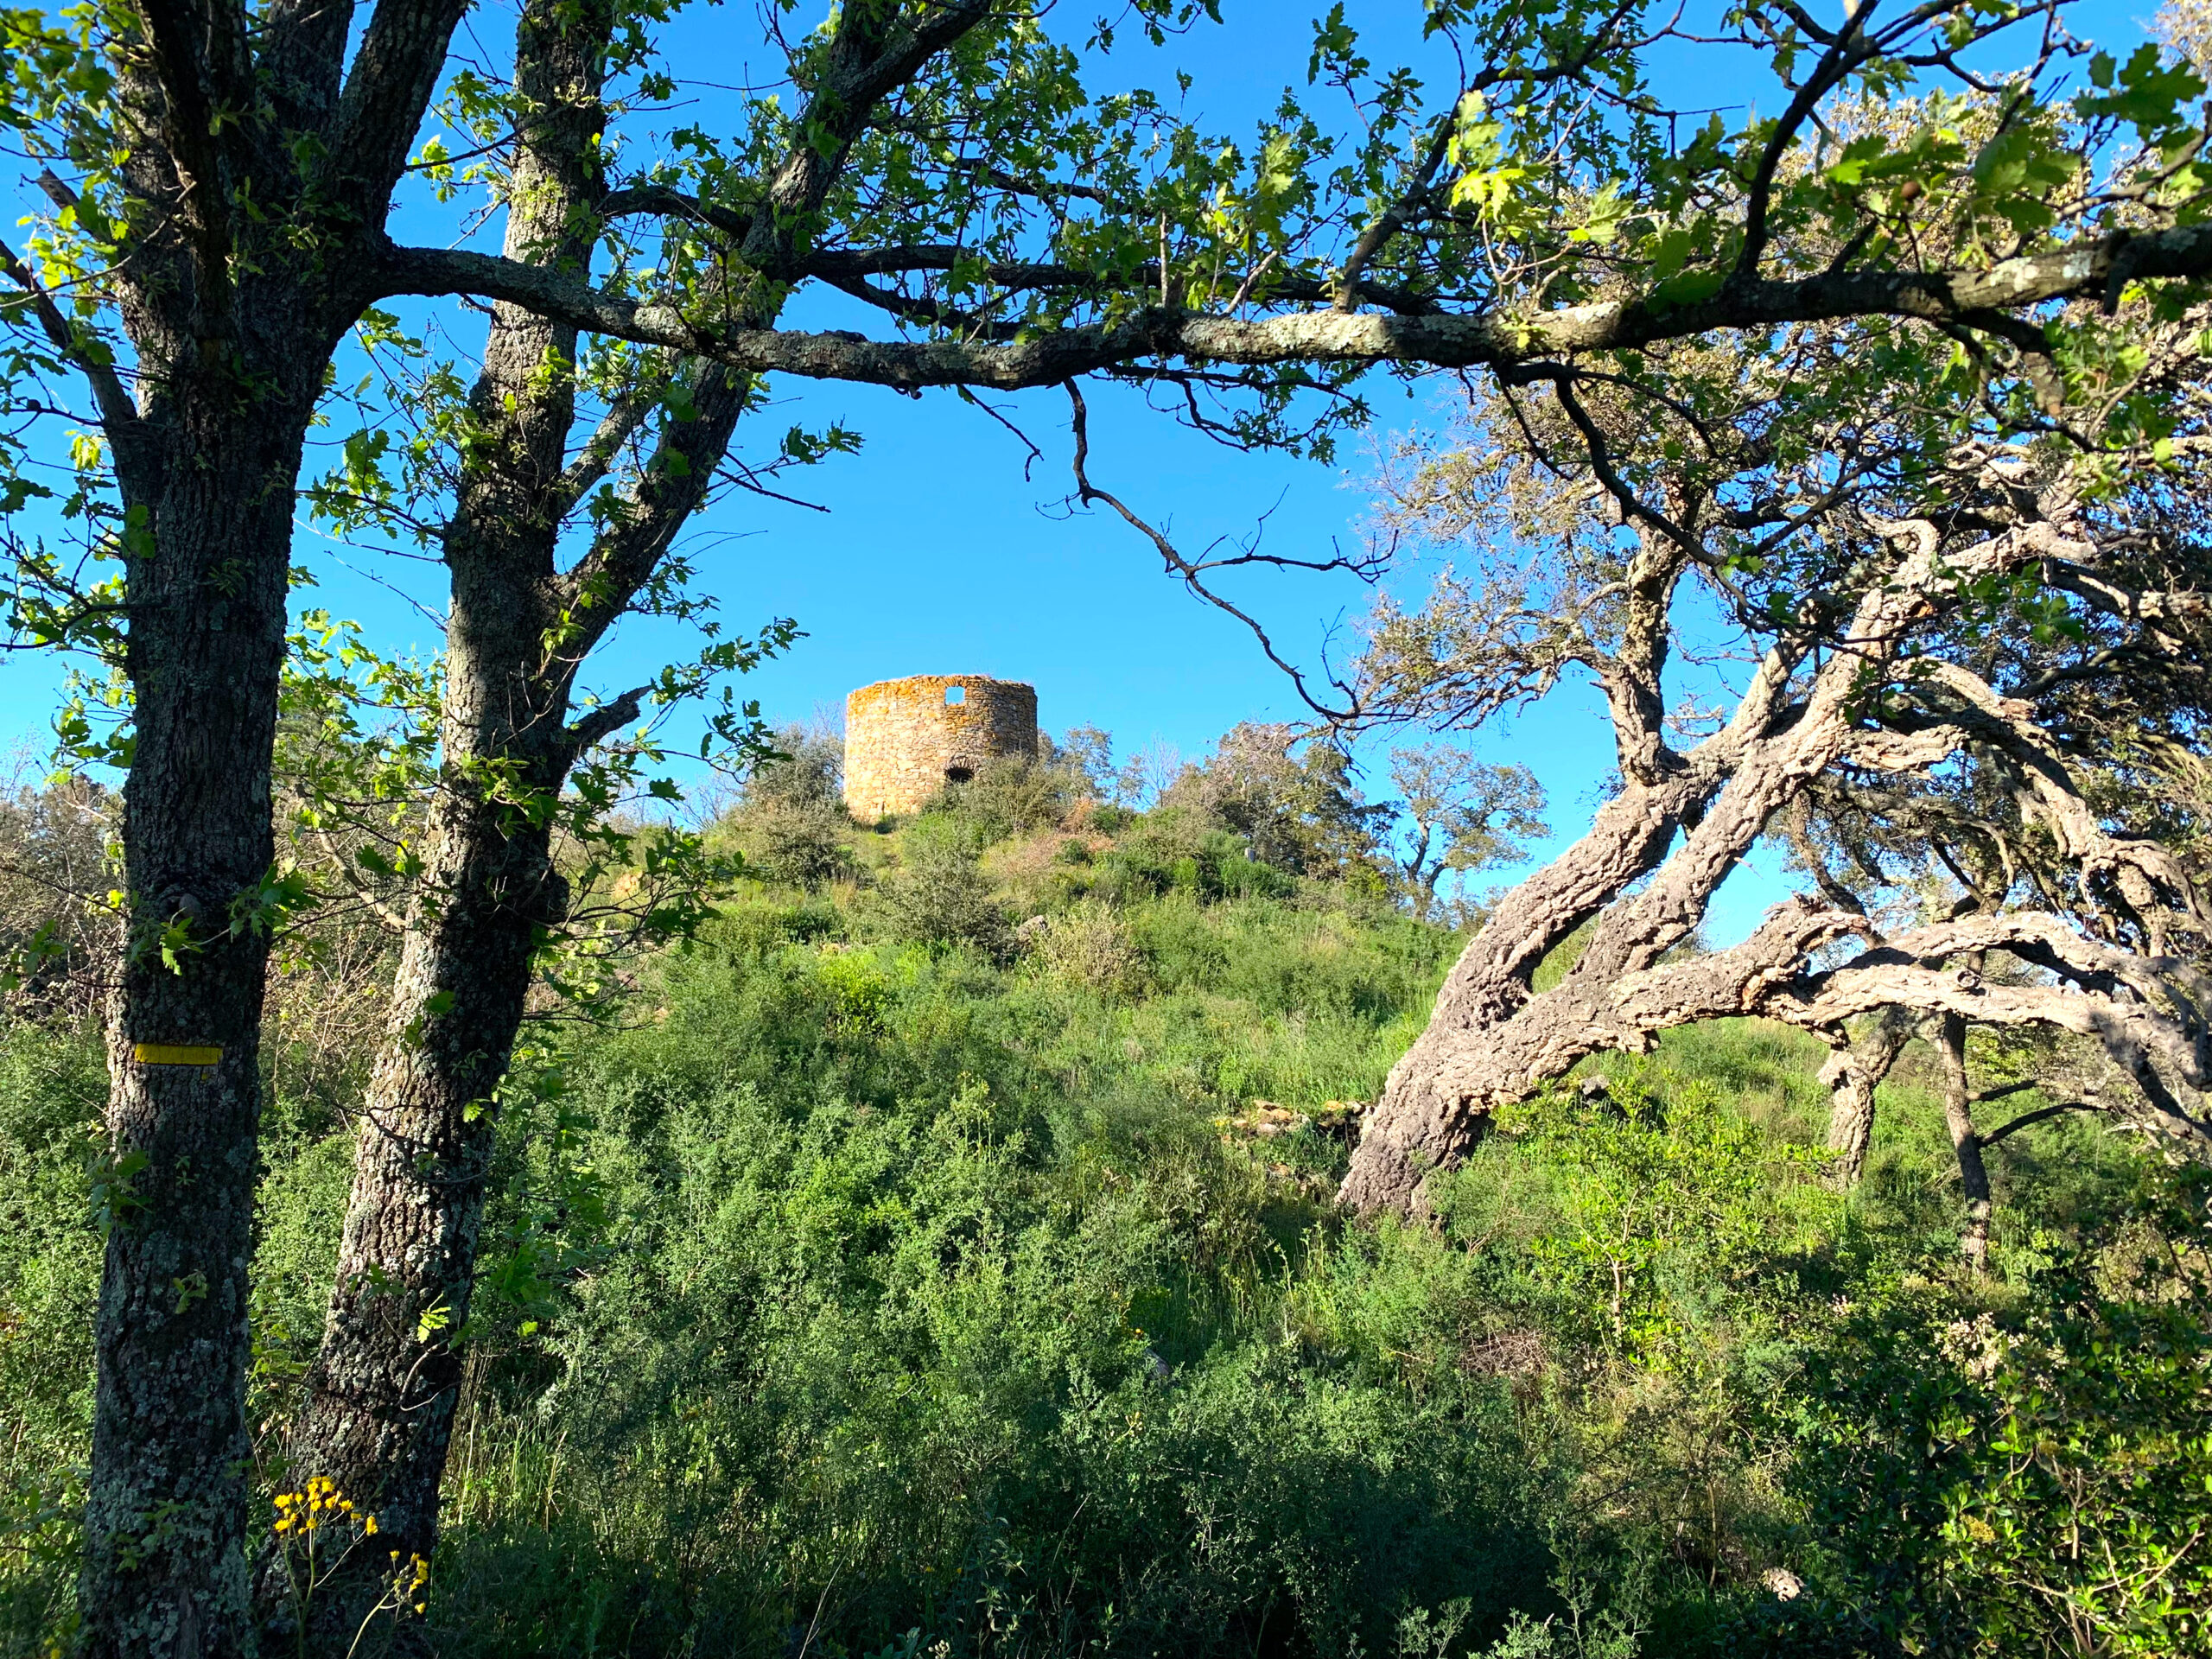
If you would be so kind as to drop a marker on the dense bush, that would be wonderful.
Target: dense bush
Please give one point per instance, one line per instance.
(887, 1284)
(2033, 1478)
(941, 896)
(790, 824)
(1012, 796)
(1089, 947)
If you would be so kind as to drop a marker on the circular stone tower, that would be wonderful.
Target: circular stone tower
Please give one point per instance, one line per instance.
(905, 739)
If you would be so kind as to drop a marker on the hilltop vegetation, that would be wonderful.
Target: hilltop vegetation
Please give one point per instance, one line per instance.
(939, 1257)
(901, 1262)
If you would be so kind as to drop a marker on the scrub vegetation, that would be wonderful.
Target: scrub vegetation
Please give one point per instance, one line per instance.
(938, 1255)
(1175, 1209)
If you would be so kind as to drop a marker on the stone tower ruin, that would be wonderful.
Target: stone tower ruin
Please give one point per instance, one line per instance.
(905, 739)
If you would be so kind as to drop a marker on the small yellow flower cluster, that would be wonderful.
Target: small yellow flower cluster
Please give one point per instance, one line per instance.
(408, 1583)
(321, 1504)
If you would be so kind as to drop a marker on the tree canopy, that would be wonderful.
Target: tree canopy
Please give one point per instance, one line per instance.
(1903, 374)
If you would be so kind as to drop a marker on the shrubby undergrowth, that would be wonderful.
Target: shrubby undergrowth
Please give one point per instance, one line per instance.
(940, 1261)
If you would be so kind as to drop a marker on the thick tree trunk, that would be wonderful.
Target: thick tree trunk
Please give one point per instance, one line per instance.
(1414, 1127)
(165, 1571)
(254, 190)
(1958, 1117)
(381, 1395)
(1488, 1043)
(1584, 1016)
(1852, 1074)
(377, 1420)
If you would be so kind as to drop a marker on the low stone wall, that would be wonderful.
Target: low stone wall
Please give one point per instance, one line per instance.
(906, 738)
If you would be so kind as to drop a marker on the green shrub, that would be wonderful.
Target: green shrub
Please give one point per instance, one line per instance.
(53, 1084)
(1089, 947)
(942, 897)
(2034, 1478)
(867, 1291)
(1012, 796)
(1177, 850)
(791, 822)
(800, 844)
(930, 1368)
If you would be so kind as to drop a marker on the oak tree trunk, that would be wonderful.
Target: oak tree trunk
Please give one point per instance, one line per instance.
(1488, 1042)
(1958, 1117)
(1415, 1126)
(382, 1392)
(165, 1571)
(378, 1416)
(1852, 1074)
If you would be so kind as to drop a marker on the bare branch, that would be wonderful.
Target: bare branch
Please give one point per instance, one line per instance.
(1193, 572)
(2038, 1115)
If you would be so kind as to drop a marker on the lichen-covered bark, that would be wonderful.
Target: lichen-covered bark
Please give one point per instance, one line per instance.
(382, 1392)
(1586, 1015)
(1488, 1043)
(166, 1506)
(1415, 1127)
(2164, 1048)
(1853, 1072)
(1501, 339)
(381, 1397)
(257, 188)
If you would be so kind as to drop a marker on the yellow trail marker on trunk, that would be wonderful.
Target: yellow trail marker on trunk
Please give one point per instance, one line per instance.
(175, 1054)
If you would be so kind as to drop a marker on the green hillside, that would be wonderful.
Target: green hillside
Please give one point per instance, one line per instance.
(941, 1261)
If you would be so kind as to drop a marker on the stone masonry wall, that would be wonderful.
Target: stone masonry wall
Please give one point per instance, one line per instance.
(905, 740)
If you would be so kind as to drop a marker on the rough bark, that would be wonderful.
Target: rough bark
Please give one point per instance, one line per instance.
(1958, 1118)
(1918, 971)
(246, 247)
(1413, 1128)
(1582, 1016)
(1487, 1042)
(165, 1512)
(378, 1413)
(378, 1416)
(1854, 1071)
(383, 1387)
(1497, 339)
(2132, 882)
(2155, 1033)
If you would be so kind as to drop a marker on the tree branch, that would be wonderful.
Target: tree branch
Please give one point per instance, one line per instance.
(596, 725)
(2038, 1116)
(118, 414)
(841, 265)
(1192, 571)
(204, 69)
(402, 54)
(1444, 340)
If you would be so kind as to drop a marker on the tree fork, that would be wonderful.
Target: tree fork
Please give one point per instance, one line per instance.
(1412, 1129)
(1487, 1041)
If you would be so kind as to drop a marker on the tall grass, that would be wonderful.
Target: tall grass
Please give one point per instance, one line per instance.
(869, 1296)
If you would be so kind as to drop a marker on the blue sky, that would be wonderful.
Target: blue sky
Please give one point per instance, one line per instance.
(940, 555)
